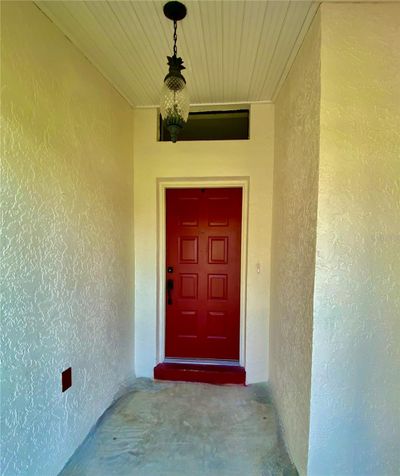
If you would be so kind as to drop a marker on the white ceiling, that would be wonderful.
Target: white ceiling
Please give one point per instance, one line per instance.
(234, 51)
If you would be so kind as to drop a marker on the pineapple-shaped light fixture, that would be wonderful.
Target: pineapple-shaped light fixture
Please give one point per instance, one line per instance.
(174, 105)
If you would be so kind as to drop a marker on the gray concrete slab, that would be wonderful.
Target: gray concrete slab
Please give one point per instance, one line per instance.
(173, 429)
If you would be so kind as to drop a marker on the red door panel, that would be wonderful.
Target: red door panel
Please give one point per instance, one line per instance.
(203, 255)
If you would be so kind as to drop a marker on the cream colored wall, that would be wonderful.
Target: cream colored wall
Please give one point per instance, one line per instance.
(66, 242)
(355, 411)
(297, 130)
(252, 158)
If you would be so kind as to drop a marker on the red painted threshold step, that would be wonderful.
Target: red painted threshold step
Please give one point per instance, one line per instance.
(216, 374)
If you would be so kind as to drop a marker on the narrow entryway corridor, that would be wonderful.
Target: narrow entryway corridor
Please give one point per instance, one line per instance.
(198, 193)
(173, 429)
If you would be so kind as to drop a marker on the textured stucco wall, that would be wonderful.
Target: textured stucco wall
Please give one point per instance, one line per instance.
(66, 243)
(355, 417)
(297, 128)
(355, 410)
(250, 158)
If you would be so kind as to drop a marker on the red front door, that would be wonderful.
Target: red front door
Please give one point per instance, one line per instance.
(203, 273)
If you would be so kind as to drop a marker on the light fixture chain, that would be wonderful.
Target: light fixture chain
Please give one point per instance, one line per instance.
(175, 38)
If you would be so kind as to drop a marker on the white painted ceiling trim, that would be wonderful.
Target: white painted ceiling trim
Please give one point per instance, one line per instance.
(214, 104)
(235, 52)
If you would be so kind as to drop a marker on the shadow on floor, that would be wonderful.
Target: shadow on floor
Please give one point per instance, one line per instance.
(193, 429)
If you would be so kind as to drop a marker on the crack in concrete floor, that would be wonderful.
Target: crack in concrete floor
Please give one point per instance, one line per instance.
(176, 428)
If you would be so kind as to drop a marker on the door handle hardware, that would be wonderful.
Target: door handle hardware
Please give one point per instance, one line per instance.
(170, 287)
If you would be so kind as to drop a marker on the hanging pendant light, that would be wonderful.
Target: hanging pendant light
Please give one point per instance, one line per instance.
(174, 105)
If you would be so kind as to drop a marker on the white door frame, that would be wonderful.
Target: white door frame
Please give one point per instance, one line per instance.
(201, 182)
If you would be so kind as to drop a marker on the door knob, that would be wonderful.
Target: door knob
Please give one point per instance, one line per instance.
(170, 287)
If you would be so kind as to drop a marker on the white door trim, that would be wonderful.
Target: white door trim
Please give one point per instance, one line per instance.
(201, 182)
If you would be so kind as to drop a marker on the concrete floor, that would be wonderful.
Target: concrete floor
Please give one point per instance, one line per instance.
(193, 429)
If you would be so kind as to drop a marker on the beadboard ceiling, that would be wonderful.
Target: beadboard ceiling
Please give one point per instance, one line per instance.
(234, 51)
